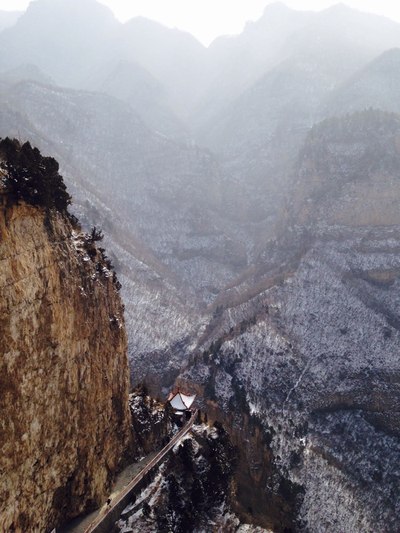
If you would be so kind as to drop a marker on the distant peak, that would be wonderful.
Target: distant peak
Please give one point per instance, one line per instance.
(142, 19)
(388, 58)
(68, 5)
(276, 7)
(151, 27)
(340, 7)
(392, 52)
(145, 22)
(342, 10)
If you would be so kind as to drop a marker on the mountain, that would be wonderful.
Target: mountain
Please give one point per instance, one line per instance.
(349, 171)
(80, 44)
(8, 18)
(252, 220)
(66, 39)
(236, 62)
(190, 222)
(257, 134)
(304, 349)
(147, 96)
(325, 48)
(339, 40)
(377, 86)
(173, 57)
(25, 72)
(345, 38)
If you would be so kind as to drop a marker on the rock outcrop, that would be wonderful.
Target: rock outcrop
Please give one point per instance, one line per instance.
(190, 489)
(64, 379)
(152, 423)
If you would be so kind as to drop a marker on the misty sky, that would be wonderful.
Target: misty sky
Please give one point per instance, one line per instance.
(206, 19)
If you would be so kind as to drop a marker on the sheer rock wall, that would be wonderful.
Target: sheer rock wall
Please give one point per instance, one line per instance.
(64, 378)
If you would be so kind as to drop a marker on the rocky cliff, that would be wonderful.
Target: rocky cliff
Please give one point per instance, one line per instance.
(64, 378)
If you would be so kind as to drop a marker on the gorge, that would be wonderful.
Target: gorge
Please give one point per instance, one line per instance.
(248, 193)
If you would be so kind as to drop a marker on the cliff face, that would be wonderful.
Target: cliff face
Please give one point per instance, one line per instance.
(151, 422)
(63, 372)
(348, 173)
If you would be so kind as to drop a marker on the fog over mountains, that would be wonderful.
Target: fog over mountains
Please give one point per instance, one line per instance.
(249, 195)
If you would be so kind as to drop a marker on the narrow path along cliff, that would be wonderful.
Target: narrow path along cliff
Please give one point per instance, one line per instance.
(81, 523)
(104, 521)
(101, 518)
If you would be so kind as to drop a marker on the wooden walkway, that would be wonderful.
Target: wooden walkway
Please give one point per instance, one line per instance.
(102, 521)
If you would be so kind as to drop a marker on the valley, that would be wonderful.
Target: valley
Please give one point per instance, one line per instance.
(248, 193)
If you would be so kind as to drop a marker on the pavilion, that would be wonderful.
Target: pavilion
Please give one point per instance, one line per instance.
(181, 402)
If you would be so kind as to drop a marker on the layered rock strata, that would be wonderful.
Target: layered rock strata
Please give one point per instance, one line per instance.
(64, 378)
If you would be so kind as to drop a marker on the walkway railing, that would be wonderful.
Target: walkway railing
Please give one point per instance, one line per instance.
(121, 500)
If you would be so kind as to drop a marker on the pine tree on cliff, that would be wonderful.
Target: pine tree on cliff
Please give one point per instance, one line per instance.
(31, 177)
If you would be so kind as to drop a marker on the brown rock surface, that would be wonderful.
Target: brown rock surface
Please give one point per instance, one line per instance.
(64, 376)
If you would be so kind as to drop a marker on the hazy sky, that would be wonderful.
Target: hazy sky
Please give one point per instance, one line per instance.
(206, 19)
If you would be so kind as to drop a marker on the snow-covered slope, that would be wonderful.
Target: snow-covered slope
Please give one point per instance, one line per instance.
(312, 356)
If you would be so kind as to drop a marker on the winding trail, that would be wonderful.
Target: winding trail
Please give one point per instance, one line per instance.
(102, 518)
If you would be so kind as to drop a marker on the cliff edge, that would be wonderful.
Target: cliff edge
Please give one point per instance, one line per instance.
(64, 377)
